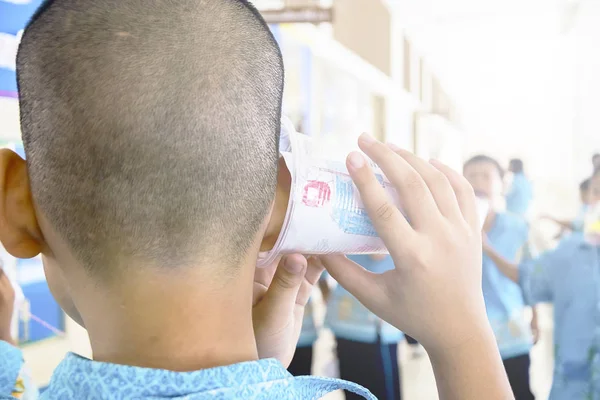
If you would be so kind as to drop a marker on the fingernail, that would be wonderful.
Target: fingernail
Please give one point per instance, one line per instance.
(292, 266)
(356, 160)
(367, 139)
(393, 147)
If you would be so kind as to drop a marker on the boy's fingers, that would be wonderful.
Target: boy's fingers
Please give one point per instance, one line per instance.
(387, 219)
(416, 199)
(283, 290)
(361, 283)
(262, 280)
(464, 194)
(313, 273)
(315, 269)
(437, 182)
(290, 273)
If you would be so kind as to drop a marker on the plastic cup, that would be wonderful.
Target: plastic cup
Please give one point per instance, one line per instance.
(325, 214)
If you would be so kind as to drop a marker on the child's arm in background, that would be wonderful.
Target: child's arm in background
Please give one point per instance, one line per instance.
(434, 294)
(563, 223)
(533, 276)
(508, 268)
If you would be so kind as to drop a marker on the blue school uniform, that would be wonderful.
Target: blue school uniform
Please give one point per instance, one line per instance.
(519, 195)
(504, 300)
(569, 277)
(367, 347)
(579, 220)
(349, 319)
(79, 378)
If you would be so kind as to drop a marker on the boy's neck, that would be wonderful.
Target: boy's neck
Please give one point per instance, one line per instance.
(175, 322)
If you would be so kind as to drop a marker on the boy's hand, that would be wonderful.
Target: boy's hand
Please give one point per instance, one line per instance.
(434, 294)
(281, 292)
(7, 304)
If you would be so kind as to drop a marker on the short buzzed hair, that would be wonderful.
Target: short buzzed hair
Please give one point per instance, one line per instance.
(151, 128)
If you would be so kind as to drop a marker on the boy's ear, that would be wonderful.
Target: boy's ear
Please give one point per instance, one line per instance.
(280, 205)
(19, 230)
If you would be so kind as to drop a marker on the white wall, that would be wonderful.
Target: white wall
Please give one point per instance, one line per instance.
(525, 89)
(9, 119)
(586, 38)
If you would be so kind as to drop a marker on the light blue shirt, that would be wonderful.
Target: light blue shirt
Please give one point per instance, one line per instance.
(519, 195)
(350, 320)
(503, 298)
(79, 378)
(579, 221)
(569, 277)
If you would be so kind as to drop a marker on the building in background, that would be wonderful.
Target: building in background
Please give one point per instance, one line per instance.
(361, 77)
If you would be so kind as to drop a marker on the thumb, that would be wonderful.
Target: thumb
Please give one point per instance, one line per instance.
(361, 283)
(286, 283)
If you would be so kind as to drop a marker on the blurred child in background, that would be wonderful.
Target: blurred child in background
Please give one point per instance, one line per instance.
(506, 233)
(520, 192)
(367, 347)
(576, 224)
(569, 277)
(303, 357)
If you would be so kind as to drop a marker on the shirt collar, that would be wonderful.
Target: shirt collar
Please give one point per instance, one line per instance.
(84, 378)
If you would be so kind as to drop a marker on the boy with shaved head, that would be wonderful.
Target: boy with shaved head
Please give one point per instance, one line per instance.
(151, 131)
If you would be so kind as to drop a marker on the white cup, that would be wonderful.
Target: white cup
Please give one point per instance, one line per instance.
(325, 214)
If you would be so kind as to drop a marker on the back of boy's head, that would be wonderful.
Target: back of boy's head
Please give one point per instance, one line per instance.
(151, 127)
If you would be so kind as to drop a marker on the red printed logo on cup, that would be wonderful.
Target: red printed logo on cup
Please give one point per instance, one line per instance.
(316, 194)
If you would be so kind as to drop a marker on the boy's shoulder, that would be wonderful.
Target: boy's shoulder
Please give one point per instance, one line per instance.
(572, 245)
(572, 251)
